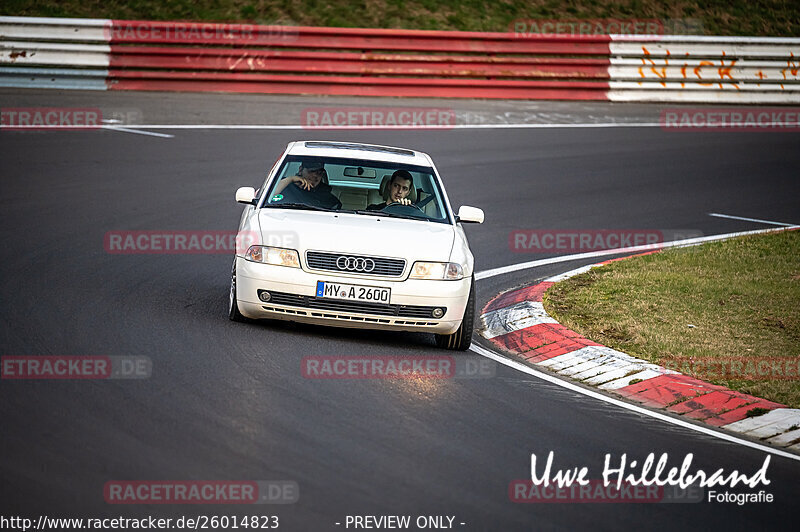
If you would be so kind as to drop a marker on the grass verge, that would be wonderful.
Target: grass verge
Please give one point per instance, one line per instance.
(715, 17)
(725, 312)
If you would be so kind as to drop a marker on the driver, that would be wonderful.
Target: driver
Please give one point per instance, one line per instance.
(399, 188)
(312, 180)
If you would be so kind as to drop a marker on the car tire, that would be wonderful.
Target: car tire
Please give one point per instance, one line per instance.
(462, 338)
(233, 306)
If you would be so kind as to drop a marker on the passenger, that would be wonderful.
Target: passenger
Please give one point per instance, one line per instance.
(312, 182)
(399, 187)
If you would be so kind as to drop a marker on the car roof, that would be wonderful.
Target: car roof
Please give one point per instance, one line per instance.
(391, 154)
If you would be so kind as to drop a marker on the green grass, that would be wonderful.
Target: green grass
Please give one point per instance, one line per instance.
(741, 295)
(717, 17)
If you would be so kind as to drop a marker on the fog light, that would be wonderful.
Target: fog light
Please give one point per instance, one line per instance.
(437, 313)
(264, 296)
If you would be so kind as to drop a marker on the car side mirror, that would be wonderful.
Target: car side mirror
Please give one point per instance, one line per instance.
(246, 195)
(467, 214)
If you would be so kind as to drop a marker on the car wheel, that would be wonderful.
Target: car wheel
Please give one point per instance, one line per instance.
(233, 306)
(462, 338)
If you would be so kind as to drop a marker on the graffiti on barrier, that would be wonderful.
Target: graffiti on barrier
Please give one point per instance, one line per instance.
(707, 72)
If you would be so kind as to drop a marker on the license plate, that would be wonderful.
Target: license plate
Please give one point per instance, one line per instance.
(353, 292)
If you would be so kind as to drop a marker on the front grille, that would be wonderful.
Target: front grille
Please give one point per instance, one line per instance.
(407, 311)
(384, 267)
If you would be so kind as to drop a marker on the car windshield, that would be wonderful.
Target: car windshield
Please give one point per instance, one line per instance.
(363, 187)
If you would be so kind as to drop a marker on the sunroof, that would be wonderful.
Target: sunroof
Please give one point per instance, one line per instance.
(363, 147)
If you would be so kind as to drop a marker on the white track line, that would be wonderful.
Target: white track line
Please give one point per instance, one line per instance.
(138, 132)
(582, 125)
(749, 219)
(129, 129)
(586, 125)
(401, 128)
(605, 252)
(627, 406)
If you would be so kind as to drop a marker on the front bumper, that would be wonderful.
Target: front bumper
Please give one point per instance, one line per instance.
(403, 313)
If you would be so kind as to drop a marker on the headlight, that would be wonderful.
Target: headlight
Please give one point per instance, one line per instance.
(274, 256)
(447, 271)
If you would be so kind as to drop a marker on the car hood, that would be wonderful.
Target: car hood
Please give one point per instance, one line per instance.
(357, 234)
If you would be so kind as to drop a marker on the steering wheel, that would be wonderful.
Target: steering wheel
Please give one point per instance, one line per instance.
(397, 203)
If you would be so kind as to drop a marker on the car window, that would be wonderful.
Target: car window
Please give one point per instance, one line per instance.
(354, 185)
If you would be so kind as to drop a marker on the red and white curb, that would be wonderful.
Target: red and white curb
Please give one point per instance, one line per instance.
(516, 322)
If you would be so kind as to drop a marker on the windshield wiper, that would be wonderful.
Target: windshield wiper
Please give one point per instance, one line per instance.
(391, 215)
(301, 206)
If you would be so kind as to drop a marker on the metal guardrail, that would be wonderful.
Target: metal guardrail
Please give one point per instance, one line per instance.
(705, 69)
(141, 55)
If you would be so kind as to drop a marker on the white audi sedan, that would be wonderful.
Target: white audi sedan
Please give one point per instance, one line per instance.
(355, 235)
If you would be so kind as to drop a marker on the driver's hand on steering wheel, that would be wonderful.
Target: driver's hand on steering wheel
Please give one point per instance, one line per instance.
(405, 202)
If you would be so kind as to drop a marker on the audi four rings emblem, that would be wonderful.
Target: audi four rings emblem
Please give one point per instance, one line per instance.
(355, 264)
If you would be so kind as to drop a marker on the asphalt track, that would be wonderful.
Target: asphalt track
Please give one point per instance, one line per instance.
(228, 401)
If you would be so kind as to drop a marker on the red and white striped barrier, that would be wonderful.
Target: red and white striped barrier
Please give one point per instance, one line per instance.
(107, 54)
